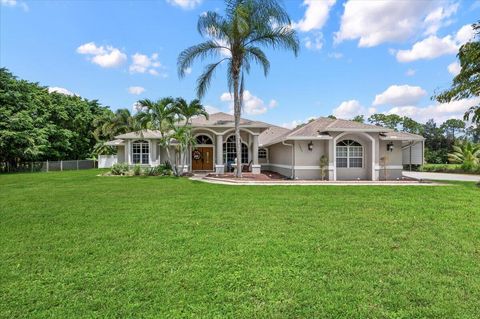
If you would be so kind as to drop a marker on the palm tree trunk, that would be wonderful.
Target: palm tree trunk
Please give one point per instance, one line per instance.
(237, 112)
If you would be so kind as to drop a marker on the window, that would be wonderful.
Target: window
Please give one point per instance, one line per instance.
(230, 152)
(349, 154)
(141, 152)
(203, 139)
(262, 153)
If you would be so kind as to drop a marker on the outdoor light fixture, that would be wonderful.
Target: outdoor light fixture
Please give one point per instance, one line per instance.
(390, 147)
(310, 146)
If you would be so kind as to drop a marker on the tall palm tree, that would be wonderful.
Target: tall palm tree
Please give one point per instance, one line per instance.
(237, 37)
(188, 110)
(467, 154)
(158, 115)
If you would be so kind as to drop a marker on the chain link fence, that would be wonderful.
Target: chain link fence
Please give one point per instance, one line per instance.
(47, 166)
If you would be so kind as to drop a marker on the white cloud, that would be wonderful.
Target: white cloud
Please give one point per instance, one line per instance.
(439, 112)
(376, 22)
(429, 48)
(295, 123)
(252, 105)
(314, 42)
(436, 19)
(137, 90)
(335, 55)
(454, 68)
(410, 72)
(399, 95)
(60, 90)
(465, 34)
(315, 16)
(142, 63)
(14, 3)
(433, 46)
(273, 103)
(188, 70)
(185, 4)
(350, 109)
(106, 57)
(211, 109)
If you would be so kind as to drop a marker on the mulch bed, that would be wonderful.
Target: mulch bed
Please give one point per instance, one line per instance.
(264, 176)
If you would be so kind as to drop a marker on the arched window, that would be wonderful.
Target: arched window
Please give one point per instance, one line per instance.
(230, 151)
(141, 152)
(204, 139)
(262, 153)
(349, 154)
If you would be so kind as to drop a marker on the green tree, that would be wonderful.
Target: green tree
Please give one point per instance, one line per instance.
(185, 140)
(238, 37)
(391, 121)
(452, 126)
(36, 125)
(467, 154)
(467, 83)
(187, 110)
(411, 126)
(359, 119)
(436, 145)
(159, 115)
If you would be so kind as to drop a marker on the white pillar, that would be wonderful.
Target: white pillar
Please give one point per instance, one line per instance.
(219, 167)
(331, 161)
(256, 168)
(128, 149)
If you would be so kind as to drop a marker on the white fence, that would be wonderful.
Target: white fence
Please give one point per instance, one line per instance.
(107, 161)
(47, 166)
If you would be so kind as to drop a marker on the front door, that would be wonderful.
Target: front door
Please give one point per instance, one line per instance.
(202, 159)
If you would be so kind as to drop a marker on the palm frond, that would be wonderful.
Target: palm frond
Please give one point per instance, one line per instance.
(203, 81)
(259, 57)
(203, 50)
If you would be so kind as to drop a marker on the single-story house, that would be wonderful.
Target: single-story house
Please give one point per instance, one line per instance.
(355, 151)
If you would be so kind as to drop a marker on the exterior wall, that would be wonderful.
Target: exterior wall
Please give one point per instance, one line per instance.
(390, 166)
(363, 173)
(280, 159)
(307, 163)
(417, 154)
(121, 154)
(106, 161)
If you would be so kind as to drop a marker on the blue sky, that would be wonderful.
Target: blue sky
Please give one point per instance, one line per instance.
(357, 57)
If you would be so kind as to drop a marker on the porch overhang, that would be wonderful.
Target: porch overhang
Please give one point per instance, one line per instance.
(117, 142)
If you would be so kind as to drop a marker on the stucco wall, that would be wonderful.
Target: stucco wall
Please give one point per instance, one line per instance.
(280, 159)
(121, 154)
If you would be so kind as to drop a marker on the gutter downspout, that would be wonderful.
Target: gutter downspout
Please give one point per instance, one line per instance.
(293, 158)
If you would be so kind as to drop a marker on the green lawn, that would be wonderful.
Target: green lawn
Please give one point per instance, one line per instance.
(75, 245)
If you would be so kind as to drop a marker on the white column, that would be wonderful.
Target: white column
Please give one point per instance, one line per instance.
(219, 167)
(331, 161)
(255, 166)
(128, 149)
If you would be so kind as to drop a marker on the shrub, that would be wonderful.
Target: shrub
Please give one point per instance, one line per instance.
(137, 170)
(154, 171)
(167, 166)
(119, 169)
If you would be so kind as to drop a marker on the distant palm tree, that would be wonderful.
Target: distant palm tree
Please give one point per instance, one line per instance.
(188, 110)
(122, 121)
(237, 37)
(158, 115)
(467, 154)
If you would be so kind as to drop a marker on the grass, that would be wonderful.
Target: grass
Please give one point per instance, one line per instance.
(448, 168)
(74, 245)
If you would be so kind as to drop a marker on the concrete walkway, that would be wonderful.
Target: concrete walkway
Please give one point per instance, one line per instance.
(442, 176)
(308, 182)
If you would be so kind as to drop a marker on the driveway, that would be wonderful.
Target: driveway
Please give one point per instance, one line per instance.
(442, 176)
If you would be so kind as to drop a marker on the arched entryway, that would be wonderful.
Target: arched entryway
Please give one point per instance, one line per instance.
(202, 153)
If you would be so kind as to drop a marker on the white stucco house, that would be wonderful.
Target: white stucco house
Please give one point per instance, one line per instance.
(355, 151)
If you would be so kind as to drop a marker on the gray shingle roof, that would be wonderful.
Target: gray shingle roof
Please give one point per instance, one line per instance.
(401, 136)
(271, 134)
(325, 124)
(225, 120)
(140, 134)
